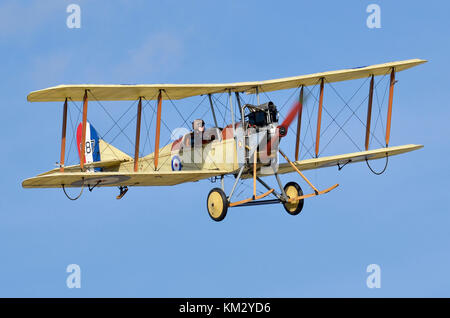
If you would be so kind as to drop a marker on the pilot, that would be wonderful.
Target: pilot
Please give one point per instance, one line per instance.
(198, 126)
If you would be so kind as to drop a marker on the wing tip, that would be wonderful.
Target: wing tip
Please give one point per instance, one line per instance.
(26, 183)
(421, 61)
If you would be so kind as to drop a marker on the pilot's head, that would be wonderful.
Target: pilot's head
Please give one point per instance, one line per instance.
(198, 125)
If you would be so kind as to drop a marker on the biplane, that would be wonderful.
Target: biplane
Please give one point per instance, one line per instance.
(248, 147)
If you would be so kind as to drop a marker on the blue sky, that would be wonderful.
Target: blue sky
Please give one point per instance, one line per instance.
(160, 242)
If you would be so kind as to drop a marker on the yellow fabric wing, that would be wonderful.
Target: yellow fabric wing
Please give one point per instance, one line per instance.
(179, 91)
(113, 179)
(330, 161)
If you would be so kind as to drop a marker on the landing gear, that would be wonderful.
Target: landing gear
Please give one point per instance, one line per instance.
(291, 195)
(293, 190)
(217, 204)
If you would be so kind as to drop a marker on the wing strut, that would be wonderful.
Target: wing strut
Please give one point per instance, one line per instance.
(83, 131)
(391, 98)
(138, 135)
(299, 123)
(238, 100)
(158, 129)
(319, 118)
(212, 110)
(63, 138)
(232, 112)
(257, 95)
(369, 113)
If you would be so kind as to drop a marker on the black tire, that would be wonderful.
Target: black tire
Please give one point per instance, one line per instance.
(217, 204)
(293, 208)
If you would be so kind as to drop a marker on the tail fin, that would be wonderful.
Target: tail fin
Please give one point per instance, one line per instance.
(97, 149)
(91, 147)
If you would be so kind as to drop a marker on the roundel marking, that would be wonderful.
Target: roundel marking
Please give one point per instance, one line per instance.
(176, 163)
(101, 180)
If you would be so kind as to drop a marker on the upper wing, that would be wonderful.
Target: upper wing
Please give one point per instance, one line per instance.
(344, 159)
(111, 179)
(179, 91)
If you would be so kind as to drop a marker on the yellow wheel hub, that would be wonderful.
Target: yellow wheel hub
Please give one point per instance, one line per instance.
(292, 192)
(215, 204)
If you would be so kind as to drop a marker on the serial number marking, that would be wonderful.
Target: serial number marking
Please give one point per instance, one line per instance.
(228, 307)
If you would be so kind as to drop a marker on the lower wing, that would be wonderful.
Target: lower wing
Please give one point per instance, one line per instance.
(341, 160)
(112, 179)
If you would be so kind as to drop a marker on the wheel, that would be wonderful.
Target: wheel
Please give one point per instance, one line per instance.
(293, 190)
(217, 204)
